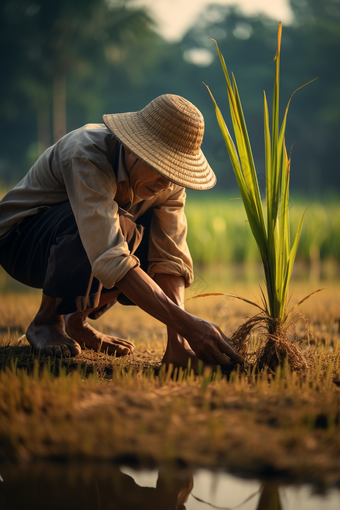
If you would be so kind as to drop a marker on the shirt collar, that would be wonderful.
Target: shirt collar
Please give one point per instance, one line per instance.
(122, 176)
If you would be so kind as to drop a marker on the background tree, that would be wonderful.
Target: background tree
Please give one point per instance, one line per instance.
(315, 115)
(97, 57)
(48, 45)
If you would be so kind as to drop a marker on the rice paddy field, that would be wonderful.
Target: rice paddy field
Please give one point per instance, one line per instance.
(219, 232)
(97, 408)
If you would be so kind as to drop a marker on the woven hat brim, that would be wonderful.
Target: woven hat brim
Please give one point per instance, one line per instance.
(183, 169)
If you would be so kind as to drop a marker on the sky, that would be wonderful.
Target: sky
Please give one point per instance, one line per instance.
(175, 17)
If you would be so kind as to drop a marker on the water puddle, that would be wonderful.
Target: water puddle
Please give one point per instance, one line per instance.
(111, 487)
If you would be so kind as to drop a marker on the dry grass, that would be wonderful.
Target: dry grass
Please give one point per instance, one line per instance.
(96, 406)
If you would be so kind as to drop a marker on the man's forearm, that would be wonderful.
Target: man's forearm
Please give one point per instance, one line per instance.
(173, 286)
(146, 294)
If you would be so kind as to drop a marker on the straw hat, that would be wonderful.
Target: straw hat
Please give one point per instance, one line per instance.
(167, 135)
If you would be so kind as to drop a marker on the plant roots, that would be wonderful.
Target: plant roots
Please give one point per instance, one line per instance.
(277, 344)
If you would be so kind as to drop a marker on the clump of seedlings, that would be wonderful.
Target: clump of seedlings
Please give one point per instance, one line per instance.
(269, 223)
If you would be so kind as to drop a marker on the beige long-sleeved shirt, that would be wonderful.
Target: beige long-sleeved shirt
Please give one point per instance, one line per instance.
(79, 168)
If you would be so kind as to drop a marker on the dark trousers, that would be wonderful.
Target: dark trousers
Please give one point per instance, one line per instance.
(45, 252)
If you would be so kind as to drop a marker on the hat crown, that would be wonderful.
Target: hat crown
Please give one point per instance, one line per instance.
(167, 136)
(175, 121)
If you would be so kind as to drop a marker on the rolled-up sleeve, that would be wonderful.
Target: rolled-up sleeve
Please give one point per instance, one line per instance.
(168, 249)
(91, 190)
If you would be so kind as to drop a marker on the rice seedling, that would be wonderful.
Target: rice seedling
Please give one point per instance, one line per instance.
(269, 223)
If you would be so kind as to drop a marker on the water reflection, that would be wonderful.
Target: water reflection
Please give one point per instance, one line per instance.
(270, 498)
(101, 487)
(105, 486)
(171, 492)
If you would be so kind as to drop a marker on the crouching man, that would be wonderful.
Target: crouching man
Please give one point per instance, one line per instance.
(99, 218)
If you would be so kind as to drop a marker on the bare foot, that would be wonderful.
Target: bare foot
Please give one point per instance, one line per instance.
(51, 339)
(86, 335)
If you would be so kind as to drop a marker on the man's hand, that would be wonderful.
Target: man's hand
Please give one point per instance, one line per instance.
(206, 341)
(205, 338)
(211, 345)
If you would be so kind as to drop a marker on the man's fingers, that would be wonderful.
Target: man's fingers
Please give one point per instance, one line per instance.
(222, 359)
(215, 357)
(227, 339)
(229, 351)
(209, 358)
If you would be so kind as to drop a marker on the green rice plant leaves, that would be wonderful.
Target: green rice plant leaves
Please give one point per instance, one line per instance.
(247, 158)
(209, 294)
(273, 236)
(303, 300)
(267, 142)
(247, 198)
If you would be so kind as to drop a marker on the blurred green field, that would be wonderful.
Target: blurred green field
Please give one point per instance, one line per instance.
(218, 231)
